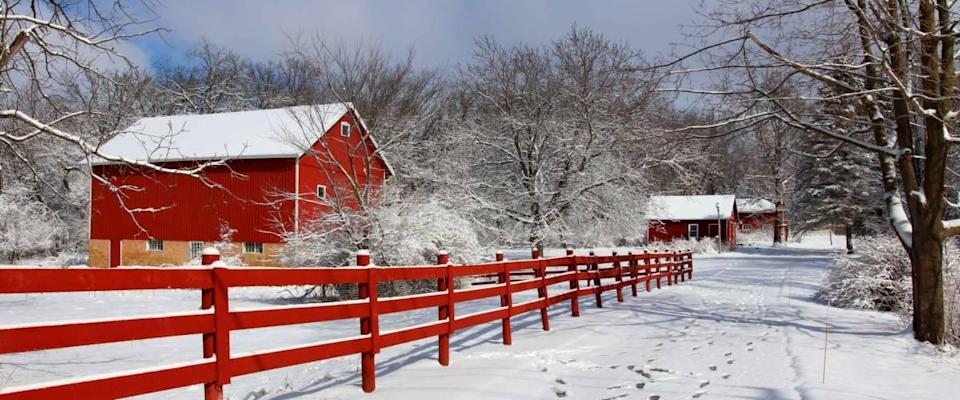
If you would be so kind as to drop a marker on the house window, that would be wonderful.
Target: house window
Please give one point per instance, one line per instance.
(321, 191)
(196, 248)
(253, 247)
(693, 231)
(345, 129)
(154, 245)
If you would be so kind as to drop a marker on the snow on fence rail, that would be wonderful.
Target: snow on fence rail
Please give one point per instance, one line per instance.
(215, 320)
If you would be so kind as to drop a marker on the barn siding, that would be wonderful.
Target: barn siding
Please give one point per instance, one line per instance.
(318, 169)
(192, 210)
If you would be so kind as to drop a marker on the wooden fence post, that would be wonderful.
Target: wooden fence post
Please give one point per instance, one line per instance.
(211, 390)
(646, 269)
(633, 273)
(367, 290)
(690, 270)
(443, 285)
(574, 284)
(618, 271)
(505, 301)
(683, 266)
(671, 258)
(540, 271)
(595, 268)
(221, 340)
(659, 267)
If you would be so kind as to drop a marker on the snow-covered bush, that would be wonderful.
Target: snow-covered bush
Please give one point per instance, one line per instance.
(756, 237)
(697, 246)
(877, 277)
(407, 233)
(27, 227)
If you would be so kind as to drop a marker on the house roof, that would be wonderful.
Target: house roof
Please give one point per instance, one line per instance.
(755, 206)
(243, 134)
(690, 207)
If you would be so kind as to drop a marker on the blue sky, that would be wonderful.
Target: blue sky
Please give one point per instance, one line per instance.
(441, 32)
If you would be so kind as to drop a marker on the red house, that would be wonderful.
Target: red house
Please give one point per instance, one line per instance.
(275, 169)
(692, 217)
(758, 214)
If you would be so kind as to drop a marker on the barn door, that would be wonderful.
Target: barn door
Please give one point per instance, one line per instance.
(712, 230)
(114, 253)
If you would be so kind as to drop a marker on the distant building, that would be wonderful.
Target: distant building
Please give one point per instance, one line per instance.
(758, 214)
(267, 186)
(692, 217)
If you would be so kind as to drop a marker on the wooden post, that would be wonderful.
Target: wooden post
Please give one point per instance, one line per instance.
(211, 390)
(540, 271)
(670, 262)
(221, 338)
(690, 270)
(633, 273)
(443, 285)
(505, 301)
(367, 290)
(683, 266)
(618, 277)
(595, 268)
(659, 268)
(646, 269)
(574, 284)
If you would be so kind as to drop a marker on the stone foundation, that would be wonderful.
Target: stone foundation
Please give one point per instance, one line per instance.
(175, 253)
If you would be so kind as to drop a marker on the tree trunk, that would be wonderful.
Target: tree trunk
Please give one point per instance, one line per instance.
(778, 223)
(926, 259)
(848, 233)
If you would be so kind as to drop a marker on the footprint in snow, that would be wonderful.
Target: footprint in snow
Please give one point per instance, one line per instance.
(699, 393)
(654, 397)
(659, 345)
(749, 348)
(731, 361)
(710, 343)
(725, 376)
(619, 396)
(704, 383)
(560, 381)
(631, 367)
(650, 360)
(695, 348)
(712, 367)
(641, 385)
(749, 343)
(559, 392)
(728, 354)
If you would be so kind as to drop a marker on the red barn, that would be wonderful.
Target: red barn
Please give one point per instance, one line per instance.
(758, 214)
(692, 217)
(277, 168)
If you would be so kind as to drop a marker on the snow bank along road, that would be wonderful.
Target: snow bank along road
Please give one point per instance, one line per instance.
(745, 327)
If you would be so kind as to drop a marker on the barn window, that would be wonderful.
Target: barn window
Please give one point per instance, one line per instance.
(345, 129)
(154, 245)
(196, 248)
(693, 231)
(253, 247)
(321, 191)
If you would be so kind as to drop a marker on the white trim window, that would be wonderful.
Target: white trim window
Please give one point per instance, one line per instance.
(196, 249)
(345, 129)
(154, 245)
(253, 247)
(693, 231)
(321, 192)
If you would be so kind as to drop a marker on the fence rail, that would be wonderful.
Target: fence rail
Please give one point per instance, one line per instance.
(215, 320)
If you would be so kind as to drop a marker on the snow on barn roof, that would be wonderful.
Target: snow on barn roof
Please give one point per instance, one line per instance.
(243, 134)
(690, 207)
(755, 206)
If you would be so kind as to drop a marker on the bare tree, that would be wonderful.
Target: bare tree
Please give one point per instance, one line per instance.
(893, 58)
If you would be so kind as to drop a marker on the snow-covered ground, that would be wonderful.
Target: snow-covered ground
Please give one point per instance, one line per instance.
(745, 327)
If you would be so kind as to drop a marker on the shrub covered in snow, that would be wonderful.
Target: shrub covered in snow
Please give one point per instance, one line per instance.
(878, 278)
(756, 237)
(27, 227)
(698, 246)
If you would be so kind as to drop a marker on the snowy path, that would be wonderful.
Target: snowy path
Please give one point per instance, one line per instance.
(744, 328)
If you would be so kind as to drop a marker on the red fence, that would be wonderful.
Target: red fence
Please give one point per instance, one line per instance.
(578, 275)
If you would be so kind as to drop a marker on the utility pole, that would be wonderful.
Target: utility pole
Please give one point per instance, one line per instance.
(719, 230)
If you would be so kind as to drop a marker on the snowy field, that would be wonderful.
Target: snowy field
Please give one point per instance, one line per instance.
(746, 327)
